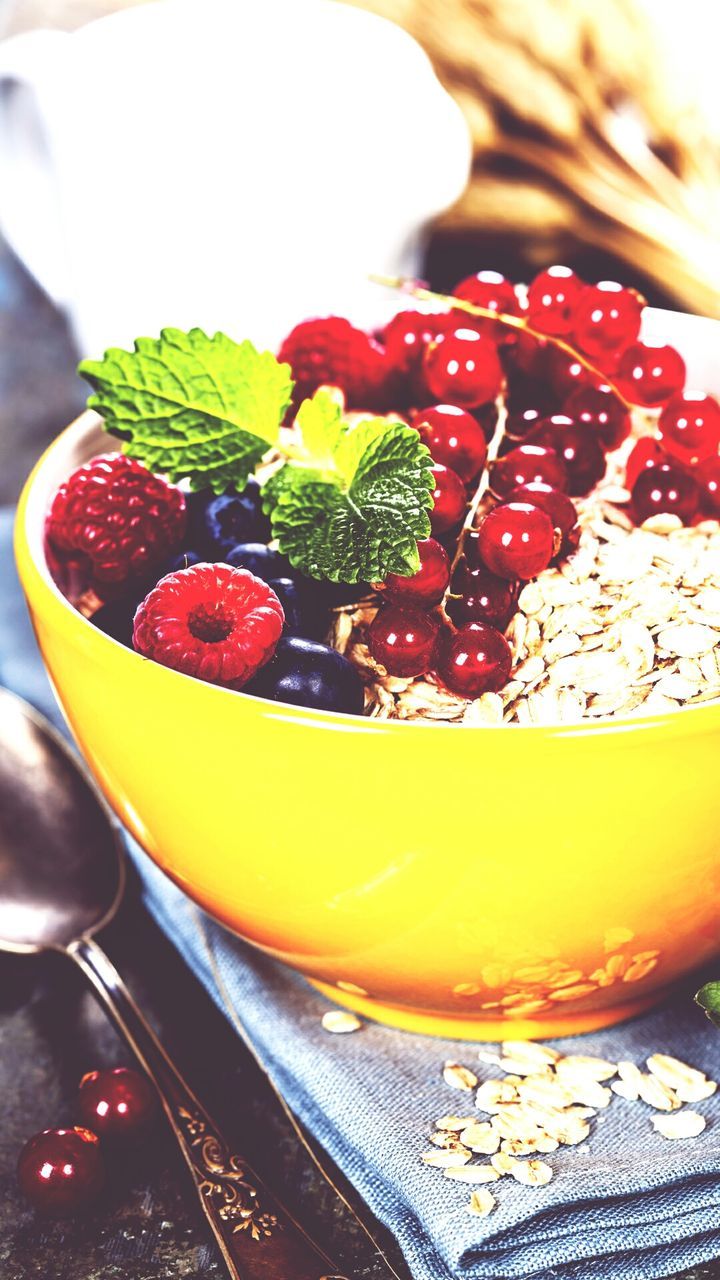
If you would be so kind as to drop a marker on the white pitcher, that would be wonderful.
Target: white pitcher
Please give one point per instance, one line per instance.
(233, 164)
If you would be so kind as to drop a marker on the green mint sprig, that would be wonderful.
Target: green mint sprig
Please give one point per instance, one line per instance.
(708, 997)
(353, 502)
(350, 502)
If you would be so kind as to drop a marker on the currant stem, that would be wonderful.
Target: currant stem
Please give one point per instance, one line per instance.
(408, 286)
(480, 492)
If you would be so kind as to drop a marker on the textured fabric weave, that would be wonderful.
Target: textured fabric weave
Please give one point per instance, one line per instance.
(625, 1205)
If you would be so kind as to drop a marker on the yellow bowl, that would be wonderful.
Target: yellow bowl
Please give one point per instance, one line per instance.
(479, 882)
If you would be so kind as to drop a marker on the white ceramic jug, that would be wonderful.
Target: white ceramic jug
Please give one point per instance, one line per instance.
(233, 164)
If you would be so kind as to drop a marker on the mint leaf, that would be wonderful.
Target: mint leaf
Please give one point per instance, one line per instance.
(708, 997)
(320, 424)
(192, 406)
(361, 519)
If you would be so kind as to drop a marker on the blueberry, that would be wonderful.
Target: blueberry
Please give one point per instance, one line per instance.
(217, 524)
(183, 560)
(116, 618)
(258, 559)
(298, 620)
(308, 674)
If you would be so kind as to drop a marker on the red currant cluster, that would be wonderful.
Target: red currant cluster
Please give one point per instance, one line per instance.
(61, 1171)
(544, 458)
(677, 471)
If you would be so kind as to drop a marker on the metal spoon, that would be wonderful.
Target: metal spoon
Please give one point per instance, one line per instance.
(62, 875)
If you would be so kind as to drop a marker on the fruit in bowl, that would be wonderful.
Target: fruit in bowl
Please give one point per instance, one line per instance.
(259, 573)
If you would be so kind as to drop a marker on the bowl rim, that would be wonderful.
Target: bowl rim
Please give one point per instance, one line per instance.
(41, 589)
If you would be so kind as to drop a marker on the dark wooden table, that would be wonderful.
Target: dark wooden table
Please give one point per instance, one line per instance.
(147, 1226)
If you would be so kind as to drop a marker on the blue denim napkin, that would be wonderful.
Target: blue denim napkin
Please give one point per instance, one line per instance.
(626, 1203)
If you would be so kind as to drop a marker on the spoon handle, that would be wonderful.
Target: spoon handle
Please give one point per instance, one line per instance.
(257, 1237)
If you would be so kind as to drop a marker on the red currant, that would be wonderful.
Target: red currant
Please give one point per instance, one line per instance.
(487, 416)
(409, 333)
(690, 427)
(463, 368)
(61, 1170)
(492, 291)
(403, 640)
(707, 476)
(607, 321)
(517, 540)
(523, 465)
(648, 452)
(117, 1104)
(519, 425)
(553, 502)
(665, 490)
(527, 356)
(565, 374)
(454, 438)
(482, 597)
(475, 659)
(449, 497)
(650, 373)
(428, 585)
(580, 451)
(599, 409)
(553, 298)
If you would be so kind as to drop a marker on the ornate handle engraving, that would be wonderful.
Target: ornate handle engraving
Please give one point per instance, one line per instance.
(226, 1180)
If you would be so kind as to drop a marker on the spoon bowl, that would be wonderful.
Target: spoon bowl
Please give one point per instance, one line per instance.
(62, 870)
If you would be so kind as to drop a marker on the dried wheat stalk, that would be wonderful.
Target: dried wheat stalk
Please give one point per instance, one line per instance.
(580, 129)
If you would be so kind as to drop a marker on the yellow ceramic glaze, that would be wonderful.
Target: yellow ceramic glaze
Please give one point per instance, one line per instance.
(470, 881)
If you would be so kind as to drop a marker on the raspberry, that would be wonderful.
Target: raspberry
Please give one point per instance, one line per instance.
(211, 621)
(330, 351)
(117, 514)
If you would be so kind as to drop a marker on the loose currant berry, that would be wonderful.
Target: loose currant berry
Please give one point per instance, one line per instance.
(60, 1171)
(648, 452)
(525, 464)
(492, 291)
(407, 335)
(650, 374)
(119, 1104)
(707, 476)
(454, 438)
(553, 299)
(690, 427)
(580, 451)
(607, 321)
(665, 490)
(480, 596)
(403, 640)
(462, 368)
(428, 585)
(517, 540)
(600, 410)
(557, 505)
(449, 497)
(475, 659)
